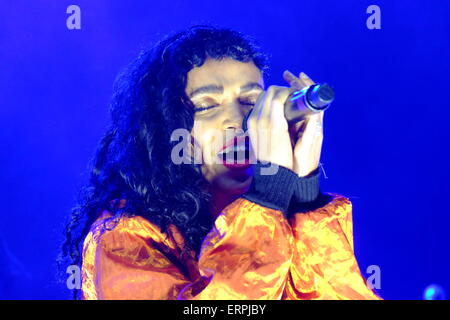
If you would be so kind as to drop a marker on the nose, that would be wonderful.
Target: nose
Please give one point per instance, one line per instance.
(234, 116)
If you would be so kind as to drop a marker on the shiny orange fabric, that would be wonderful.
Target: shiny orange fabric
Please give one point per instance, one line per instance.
(252, 252)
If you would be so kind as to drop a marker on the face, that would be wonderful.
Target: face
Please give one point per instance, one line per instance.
(223, 92)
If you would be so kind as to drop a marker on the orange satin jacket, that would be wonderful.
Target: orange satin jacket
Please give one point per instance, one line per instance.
(252, 252)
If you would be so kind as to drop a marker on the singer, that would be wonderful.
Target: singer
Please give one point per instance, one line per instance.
(146, 227)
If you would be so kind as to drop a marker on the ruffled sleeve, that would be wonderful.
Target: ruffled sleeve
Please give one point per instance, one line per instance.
(324, 264)
(127, 262)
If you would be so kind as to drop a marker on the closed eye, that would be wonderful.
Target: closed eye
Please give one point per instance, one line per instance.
(205, 108)
(245, 103)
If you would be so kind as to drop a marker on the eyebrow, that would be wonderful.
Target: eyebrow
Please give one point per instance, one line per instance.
(213, 88)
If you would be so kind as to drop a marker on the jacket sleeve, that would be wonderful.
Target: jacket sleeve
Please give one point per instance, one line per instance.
(246, 255)
(124, 262)
(324, 264)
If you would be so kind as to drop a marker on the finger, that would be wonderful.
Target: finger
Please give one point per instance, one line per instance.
(272, 106)
(278, 102)
(297, 129)
(305, 79)
(255, 112)
(293, 81)
(266, 106)
(314, 126)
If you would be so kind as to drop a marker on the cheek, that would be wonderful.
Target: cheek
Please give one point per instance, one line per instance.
(207, 138)
(201, 142)
(209, 172)
(198, 138)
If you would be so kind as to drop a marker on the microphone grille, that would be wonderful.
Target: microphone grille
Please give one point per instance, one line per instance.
(320, 96)
(325, 93)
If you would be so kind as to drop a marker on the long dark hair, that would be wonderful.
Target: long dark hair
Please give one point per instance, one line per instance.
(133, 160)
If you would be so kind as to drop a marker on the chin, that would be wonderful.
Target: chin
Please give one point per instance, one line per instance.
(231, 181)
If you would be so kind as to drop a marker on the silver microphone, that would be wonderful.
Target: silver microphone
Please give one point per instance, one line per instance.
(301, 103)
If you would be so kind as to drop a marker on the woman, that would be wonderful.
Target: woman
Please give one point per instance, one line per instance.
(149, 227)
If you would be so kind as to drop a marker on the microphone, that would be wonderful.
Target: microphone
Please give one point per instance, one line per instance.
(301, 103)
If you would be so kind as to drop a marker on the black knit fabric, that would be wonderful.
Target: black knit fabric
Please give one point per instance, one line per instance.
(307, 188)
(272, 191)
(307, 195)
(286, 191)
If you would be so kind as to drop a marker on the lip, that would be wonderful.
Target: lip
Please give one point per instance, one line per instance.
(235, 166)
(237, 141)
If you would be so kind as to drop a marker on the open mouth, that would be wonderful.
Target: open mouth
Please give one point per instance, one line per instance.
(237, 153)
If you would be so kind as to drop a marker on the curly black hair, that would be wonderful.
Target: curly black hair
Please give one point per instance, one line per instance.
(133, 159)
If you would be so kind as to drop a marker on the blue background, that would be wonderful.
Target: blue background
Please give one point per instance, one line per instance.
(386, 136)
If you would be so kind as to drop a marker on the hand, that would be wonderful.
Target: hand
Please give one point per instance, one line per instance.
(306, 135)
(268, 128)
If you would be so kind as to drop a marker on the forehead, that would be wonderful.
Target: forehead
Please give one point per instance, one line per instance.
(226, 72)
